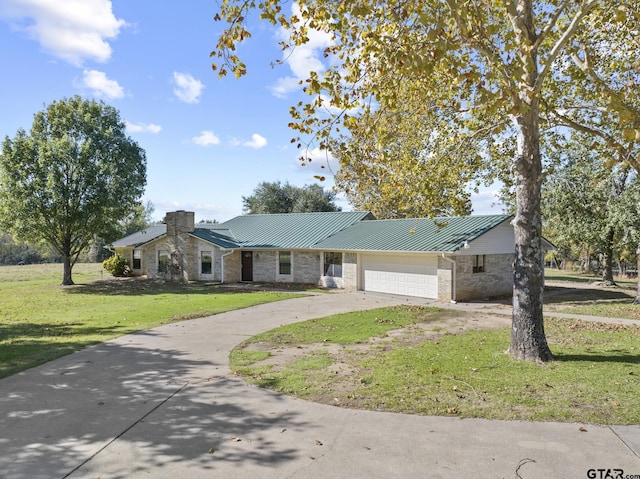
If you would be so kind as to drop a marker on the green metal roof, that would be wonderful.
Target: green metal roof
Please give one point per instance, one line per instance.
(344, 231)
(290, 230)
(141, 237)
(219, 237)
(412, 234)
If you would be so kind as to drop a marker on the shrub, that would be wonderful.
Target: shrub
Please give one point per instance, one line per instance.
(117, 265)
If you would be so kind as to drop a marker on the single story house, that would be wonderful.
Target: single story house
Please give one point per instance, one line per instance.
(448, 259)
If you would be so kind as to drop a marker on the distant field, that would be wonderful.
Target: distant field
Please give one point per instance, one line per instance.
(41, 320)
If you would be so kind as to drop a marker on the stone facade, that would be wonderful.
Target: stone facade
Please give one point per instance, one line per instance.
(445, 280)
(307, 267)
(350, 271)
(495, 280)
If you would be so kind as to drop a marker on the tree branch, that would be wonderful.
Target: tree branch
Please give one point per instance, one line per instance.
(560, 44)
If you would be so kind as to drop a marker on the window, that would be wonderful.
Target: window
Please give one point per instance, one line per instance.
(137, 259)
(478, 263)
(163, 261)
(333, 264)
(206, 261)
(284, 262)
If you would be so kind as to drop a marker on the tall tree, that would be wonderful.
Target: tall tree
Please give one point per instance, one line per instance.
(140, 217)
(585, 201)
(74, 175)
(274, 197)
(482, 59)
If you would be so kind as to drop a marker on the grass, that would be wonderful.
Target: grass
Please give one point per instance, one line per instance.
(612, 302)
(594, 379)
(357, 327)
(41, 320)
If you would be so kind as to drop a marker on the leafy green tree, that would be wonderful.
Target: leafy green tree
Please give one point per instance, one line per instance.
(410, 162)
(274, 197)
(481, 59)
(140, 217)
(584, 202)
(75, 174)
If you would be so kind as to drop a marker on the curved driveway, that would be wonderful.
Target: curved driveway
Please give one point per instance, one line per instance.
(162, 404)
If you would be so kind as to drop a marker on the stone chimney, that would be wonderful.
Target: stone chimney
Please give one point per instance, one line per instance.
(179, 224)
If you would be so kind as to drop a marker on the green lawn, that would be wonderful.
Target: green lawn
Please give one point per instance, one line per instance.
(595, 378)
(41, 320)
(613, 302)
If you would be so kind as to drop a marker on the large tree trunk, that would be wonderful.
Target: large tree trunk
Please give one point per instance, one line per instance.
(528, 340)
(637, 300)
(66, 278)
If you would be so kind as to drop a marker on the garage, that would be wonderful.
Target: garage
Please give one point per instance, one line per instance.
(409, 275)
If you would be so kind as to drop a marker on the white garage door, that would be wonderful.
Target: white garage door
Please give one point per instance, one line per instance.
(407, 275)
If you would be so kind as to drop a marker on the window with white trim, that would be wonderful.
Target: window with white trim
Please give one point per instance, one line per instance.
(206, 262)
(137, 259)
(284, 262)
(332, 264)
(163, 261)
(478, 263)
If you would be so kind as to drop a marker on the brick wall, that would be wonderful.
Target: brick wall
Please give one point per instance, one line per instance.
(496, 280)
(445, 280)
(350, 271)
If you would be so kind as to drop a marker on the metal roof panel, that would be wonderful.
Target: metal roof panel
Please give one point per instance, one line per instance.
(141, 237)
(289, 230)
(412, 234)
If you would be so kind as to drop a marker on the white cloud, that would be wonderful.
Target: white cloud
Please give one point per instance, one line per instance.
(187, 88)
(72, 30)
(302, 59)
(487, 201)
(100, 85)
(143, 127)
(257, 142)
(206, 138)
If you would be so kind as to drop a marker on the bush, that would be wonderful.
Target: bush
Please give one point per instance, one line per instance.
(117, 265)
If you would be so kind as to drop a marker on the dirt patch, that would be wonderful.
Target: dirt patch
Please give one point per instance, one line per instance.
(344, 375)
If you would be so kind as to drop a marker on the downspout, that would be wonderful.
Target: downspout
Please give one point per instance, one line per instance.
(222, 265)
(453, 279)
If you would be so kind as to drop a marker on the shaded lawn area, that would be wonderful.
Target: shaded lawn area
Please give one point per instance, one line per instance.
(576, 294)
(360, 363)
(41, 320)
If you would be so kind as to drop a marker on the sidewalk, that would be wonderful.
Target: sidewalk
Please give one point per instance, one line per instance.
(162, 403)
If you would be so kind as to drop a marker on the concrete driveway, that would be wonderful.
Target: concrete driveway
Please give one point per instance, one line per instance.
(162, 404)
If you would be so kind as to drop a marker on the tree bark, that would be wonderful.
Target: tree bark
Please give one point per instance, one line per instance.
(66, 278)
(637, 300)
(528, 340)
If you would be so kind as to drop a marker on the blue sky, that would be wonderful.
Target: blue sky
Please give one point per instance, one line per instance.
(209, 142)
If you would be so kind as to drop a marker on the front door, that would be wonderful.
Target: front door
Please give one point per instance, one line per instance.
(247, 266)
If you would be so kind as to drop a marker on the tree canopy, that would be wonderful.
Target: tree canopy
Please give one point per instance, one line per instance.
(274, 197)
(586, 203)
(73, 176)
(489, 70)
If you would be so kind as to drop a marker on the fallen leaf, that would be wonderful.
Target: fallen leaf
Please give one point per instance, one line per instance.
(212, 450)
